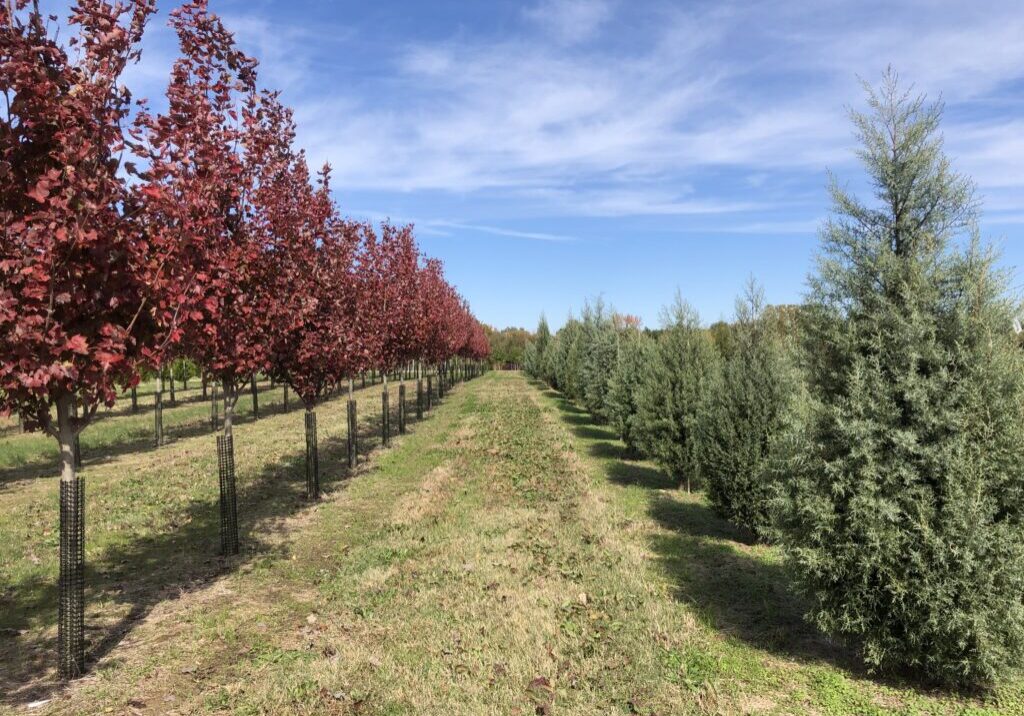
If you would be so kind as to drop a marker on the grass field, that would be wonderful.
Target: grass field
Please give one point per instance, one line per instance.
(502, 558)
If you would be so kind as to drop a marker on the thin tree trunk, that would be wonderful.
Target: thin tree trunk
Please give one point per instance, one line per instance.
(255, 397)
(230, 401)
(158, 416)
(312, 457)
(401, 408)
(71, 584)
(214, 416)
(353, 426)
(226, 468)
(77, 441)
(385, 415)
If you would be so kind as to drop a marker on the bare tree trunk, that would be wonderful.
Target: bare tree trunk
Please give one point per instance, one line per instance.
(71, 585)
(401, 409)
(353, 426)
(255, 397)
(77, 440)
(230, 400)
(385, 414)
(158, 417)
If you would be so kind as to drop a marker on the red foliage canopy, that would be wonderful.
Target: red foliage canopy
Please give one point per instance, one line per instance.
(75, 272)
(390, 296)
(225, 181)
(324, 340)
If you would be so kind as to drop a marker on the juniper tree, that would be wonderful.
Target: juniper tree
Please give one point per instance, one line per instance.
(635, 351)
(672, 395)
(566, 359)
(747, 413)
(598, 350)
(535, 358)
(905, 517)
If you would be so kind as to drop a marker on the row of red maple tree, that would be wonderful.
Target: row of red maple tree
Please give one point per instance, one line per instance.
(133, 236)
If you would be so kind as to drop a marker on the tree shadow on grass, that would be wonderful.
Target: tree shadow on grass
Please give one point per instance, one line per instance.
(638, 474)
(136, 576)
(715, 566)
(736, 590)
(138, 438)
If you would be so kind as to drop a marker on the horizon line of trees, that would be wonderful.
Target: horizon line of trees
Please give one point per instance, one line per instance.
(135, 238)
(875, 433)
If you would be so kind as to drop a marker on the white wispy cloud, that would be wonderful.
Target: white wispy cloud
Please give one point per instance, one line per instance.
(570, 21)
(603, 108)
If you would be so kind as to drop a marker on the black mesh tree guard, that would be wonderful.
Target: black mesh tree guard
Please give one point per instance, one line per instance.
(286, 397)
(385, 419)
(158, 418)
(419, 399)
(205, 391)
(255, 398)
(430, 393)
(228, 495)
(312, 458)
(352, 443)
(401, 409)
(135, 399)
(71, 584)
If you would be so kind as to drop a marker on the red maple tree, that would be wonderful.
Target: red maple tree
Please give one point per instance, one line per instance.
(79, 302)
(322, 341)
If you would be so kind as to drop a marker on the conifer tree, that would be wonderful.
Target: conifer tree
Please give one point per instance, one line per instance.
(566, 359)
(535, 359)
(672, 396)
(905, 517)
(747, 413)
(598, 349)
(634, 353)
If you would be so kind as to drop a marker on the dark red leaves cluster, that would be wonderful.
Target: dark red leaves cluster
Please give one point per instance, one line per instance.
(73, 313)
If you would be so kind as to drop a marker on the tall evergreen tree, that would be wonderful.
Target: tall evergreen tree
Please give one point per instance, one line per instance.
(672, 395)
(905, 517)
(567, 359)
(598, 348)
(635, 351)
(536, 356)
(747, 414)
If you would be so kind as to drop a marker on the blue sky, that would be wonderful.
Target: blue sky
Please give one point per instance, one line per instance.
(557, 149)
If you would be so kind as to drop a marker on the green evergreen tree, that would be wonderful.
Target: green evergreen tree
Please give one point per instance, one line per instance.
(599, 347)
(635, 351)
(905, 513)
(672, 396)
(535, 357)
(747, 413)
(566, 360)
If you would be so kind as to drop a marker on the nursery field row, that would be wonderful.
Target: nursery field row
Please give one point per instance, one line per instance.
(503, 557)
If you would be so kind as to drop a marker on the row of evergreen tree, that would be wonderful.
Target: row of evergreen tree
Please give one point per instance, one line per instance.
(876, 432)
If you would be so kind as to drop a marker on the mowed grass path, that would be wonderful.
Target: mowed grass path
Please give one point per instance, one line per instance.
(503, 558)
